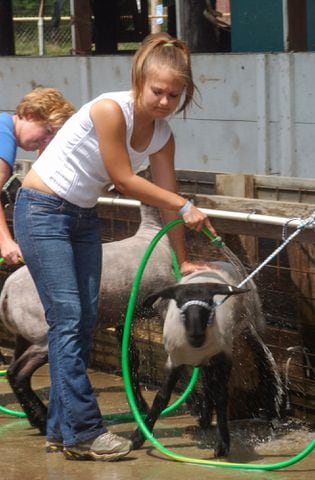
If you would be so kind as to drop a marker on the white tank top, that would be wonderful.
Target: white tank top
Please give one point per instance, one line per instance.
(72, 166)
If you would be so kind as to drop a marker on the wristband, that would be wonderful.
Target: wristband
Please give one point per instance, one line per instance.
(185, 208)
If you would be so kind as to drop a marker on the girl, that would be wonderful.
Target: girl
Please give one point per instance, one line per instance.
(56, 225)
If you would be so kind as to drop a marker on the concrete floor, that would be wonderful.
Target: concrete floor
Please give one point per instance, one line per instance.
(23, 456)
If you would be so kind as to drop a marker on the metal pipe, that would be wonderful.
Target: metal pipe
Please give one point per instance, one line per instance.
(179, 19)
(73, 35)
(240, 216)
(40, 26)
(285, 23)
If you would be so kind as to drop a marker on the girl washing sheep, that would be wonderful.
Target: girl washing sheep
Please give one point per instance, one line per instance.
(58, 232)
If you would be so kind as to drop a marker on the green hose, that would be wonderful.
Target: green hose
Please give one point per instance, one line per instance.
(15, 413)
(129, 391)
(6, 410)
(2, 260)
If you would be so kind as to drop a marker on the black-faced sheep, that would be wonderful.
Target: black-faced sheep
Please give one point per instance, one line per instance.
(202, 321)
(22, 313)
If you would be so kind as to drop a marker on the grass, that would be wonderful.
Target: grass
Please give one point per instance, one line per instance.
(54, 49)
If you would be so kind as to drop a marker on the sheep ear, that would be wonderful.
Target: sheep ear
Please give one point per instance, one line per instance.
(168, 292)
(222, 289)
(237, 290)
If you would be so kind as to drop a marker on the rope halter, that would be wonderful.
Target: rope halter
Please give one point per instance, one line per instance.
(199, 303)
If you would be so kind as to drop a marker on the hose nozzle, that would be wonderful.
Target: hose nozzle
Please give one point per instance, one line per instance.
(215, 240)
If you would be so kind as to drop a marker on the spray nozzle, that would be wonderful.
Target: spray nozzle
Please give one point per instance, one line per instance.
(216, 240)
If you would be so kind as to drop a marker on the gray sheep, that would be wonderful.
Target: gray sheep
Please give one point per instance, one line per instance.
(203, 321)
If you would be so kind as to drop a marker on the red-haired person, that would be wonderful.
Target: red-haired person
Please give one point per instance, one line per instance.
(36, 120)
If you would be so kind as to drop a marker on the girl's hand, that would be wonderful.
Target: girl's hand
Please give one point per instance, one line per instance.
(11, 253)
(196, 220)
(190, 267)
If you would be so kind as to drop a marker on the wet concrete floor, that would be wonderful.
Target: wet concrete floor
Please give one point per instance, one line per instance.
(22, 454)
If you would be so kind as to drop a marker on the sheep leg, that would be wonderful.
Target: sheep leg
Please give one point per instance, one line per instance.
(160, 401)
(218, 373)
(134, 362)
(26, 360)
(205, 402)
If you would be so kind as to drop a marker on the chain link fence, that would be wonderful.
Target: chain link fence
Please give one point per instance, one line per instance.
(40, 37)
(54, 35)
(42, 28)
(34, 36)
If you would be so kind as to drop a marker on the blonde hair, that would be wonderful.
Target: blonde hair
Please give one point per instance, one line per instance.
(46, 105)
(161, 50)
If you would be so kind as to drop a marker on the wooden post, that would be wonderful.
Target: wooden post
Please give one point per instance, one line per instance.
(155, 27)
(82, 27)
(105, 27)
(6, 28)
(239, 185)
(297, 26)
(302, 267)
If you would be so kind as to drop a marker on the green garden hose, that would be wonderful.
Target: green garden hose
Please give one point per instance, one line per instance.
(14, 413)
(129, 391)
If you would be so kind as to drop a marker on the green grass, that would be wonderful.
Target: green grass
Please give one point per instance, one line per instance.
(32, 49)
(53, 49)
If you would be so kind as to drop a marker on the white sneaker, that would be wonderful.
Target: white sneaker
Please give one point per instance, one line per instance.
(107, 447)
(53, 446)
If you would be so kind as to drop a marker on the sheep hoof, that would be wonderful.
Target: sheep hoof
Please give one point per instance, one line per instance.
(137, 440)
(40, 425)
(221, 450)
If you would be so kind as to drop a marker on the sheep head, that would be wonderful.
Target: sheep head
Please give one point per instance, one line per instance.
(196, 305)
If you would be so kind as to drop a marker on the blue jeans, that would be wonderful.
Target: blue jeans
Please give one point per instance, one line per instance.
(61, 245)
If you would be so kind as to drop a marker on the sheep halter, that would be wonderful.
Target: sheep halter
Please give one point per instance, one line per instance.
(199, 303)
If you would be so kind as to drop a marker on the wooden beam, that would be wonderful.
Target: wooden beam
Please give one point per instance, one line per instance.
(263, 207)
(239, 185)
(254, 205)
(235, 227)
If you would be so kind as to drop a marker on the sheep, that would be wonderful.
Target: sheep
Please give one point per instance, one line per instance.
(22, 313)
(203, 321)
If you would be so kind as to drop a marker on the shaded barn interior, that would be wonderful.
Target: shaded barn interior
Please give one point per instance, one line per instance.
(286, 285)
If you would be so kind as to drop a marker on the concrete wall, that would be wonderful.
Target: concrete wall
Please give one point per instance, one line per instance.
(256, 112)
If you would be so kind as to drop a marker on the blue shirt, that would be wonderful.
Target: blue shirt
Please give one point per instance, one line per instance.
(7, 139)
